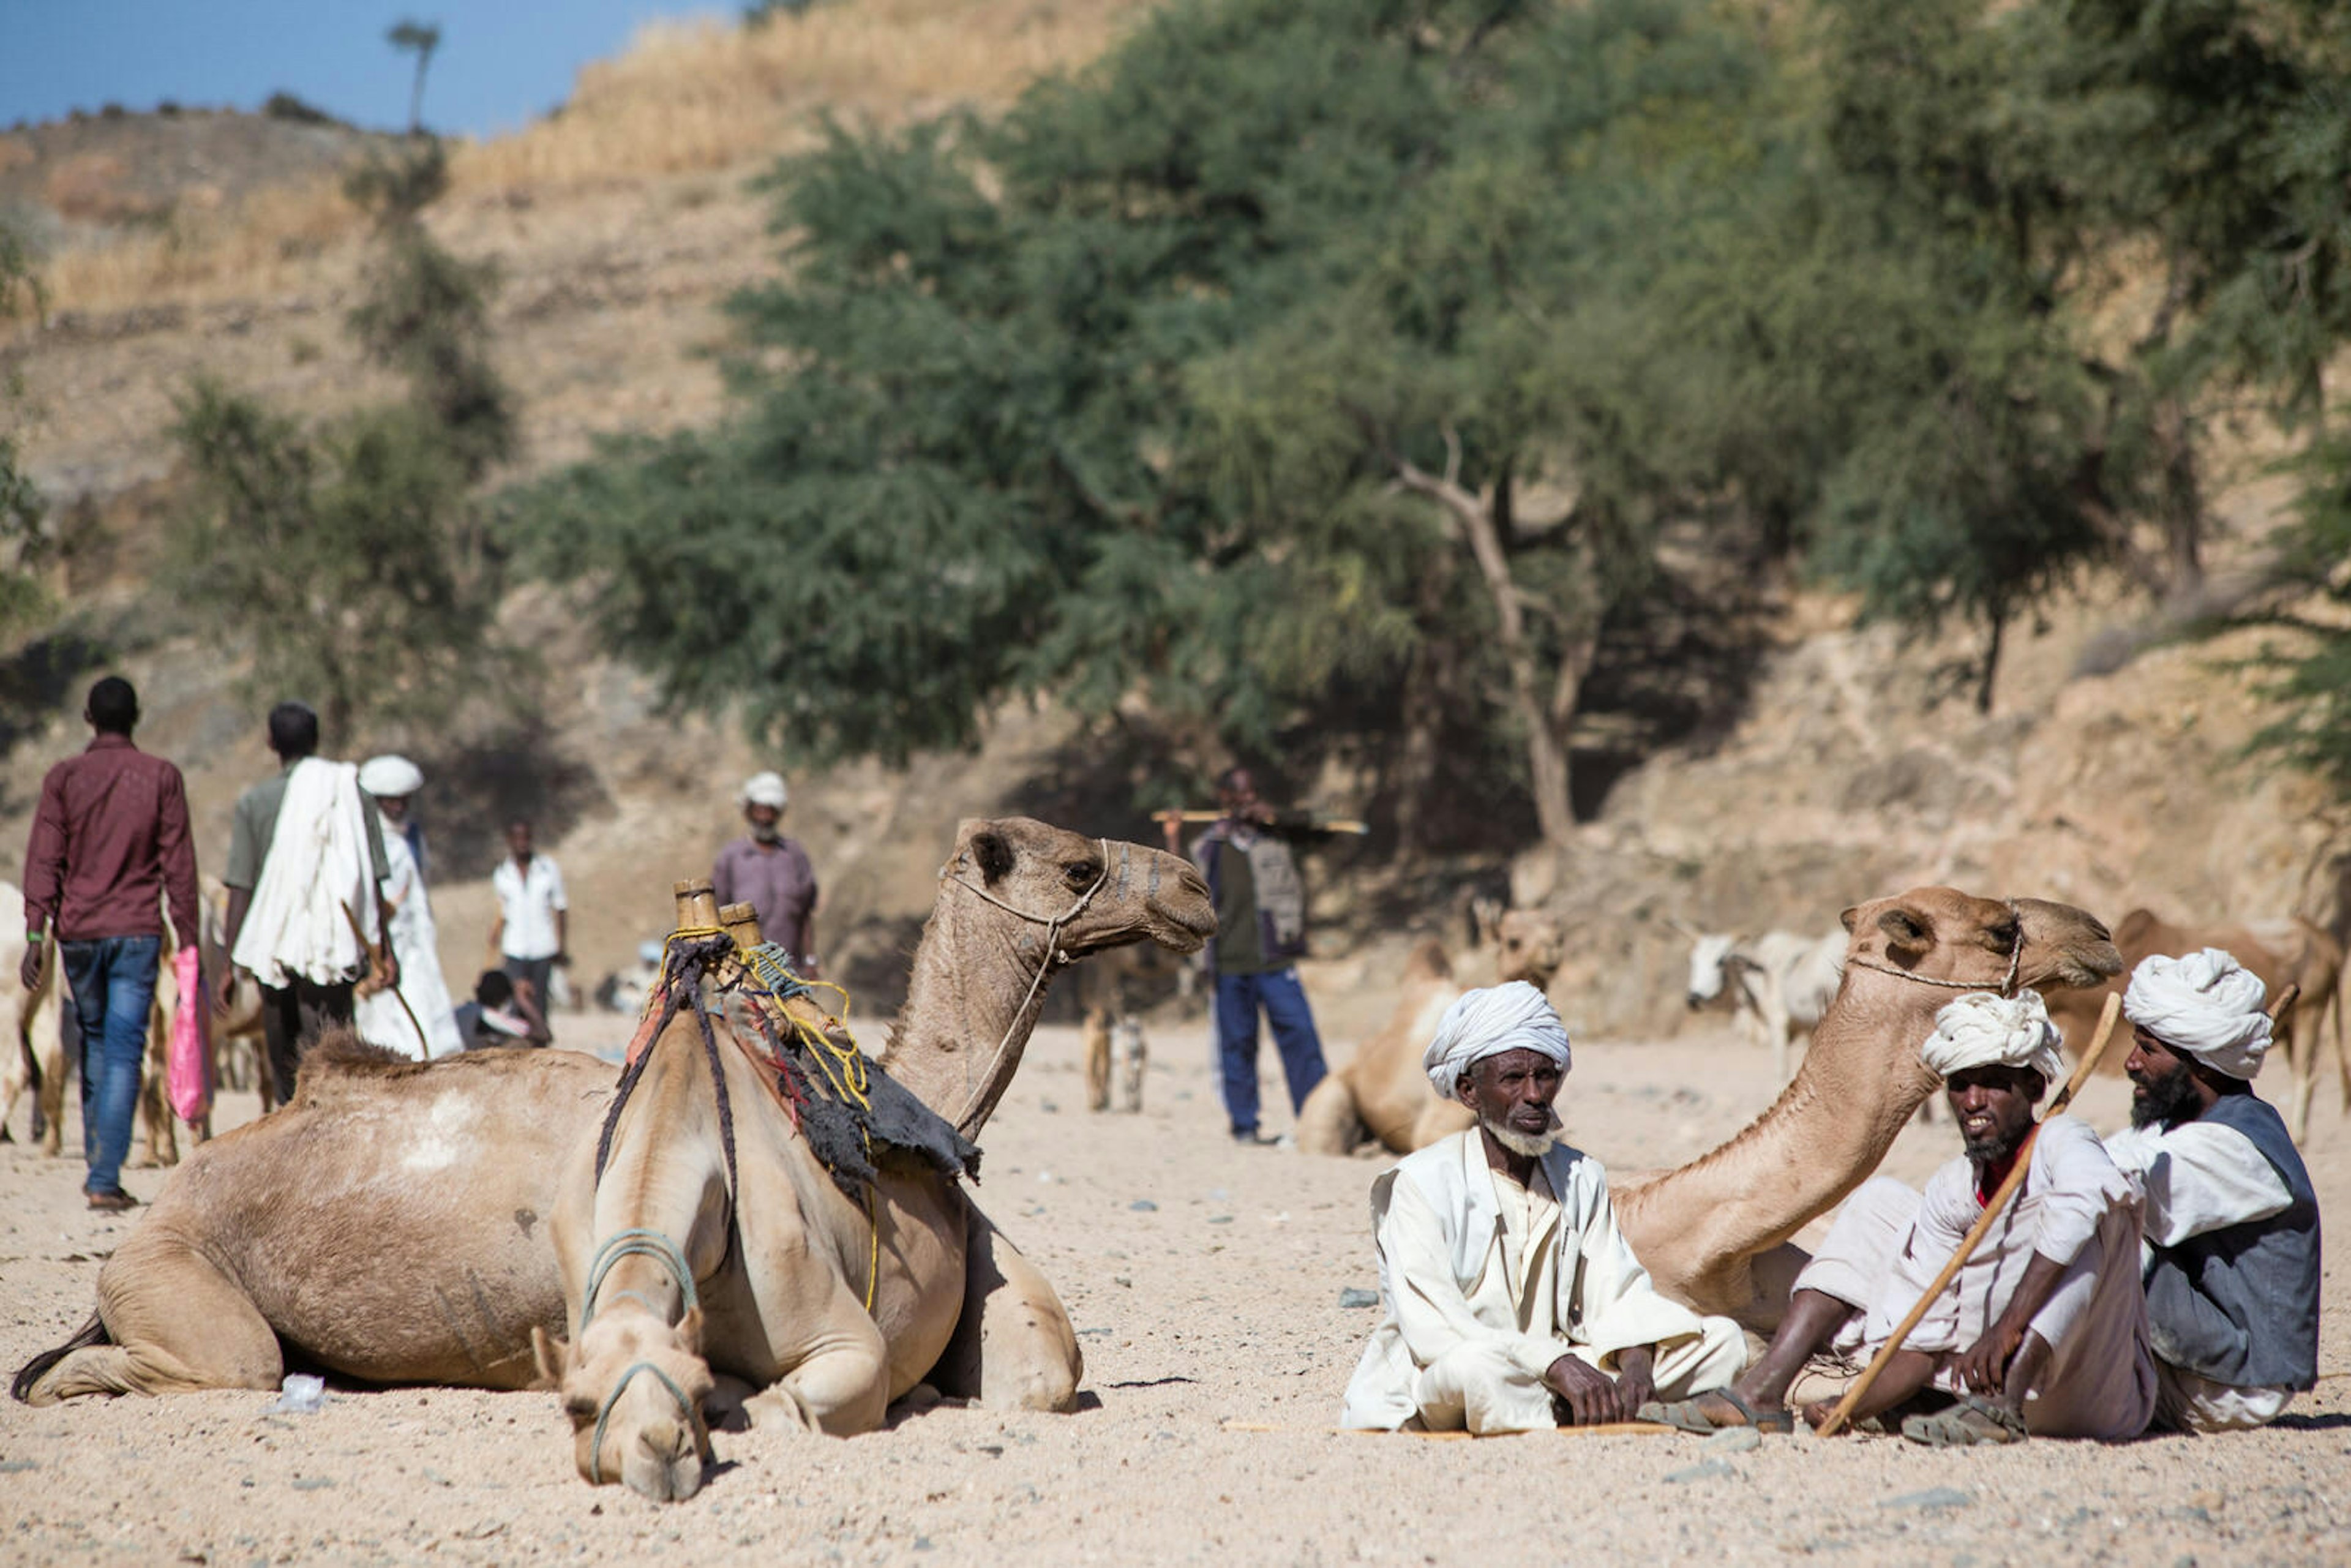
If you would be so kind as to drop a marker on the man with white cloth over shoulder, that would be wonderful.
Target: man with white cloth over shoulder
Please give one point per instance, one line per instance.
(2043, 1331)
(304, 874)
(1510, 1300)
(2232, 1255)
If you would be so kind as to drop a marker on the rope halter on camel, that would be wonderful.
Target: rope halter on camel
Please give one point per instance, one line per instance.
(641, 1243)
(1054, 952)
(2007, 987)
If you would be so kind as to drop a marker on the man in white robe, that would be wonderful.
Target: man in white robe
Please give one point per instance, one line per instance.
(2232, 1241)
(2044, 1330)
(415, 1018)
(1509, 1299)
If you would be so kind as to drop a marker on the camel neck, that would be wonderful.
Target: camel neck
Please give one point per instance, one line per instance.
(969, 993)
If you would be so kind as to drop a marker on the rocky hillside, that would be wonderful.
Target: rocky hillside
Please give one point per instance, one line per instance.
(1856, 764)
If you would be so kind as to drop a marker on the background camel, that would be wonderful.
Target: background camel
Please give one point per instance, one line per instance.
(1114, 990)
(1777, 985)
(1381, 1091)
(277, 1235)
(1715, 1232)
(2280, 952)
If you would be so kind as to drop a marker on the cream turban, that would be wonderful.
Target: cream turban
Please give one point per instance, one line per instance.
(767, 788)
(1982, 1029)
(2207, 1005)
(1479, 1024)
(390, 775)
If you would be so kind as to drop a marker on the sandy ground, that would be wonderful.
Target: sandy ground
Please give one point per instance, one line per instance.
(1205, 1280)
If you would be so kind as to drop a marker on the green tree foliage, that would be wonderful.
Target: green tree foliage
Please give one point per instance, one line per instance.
(22, 507)
(1338, 361)
(2309, 668)
(418, 38)
(351, 553)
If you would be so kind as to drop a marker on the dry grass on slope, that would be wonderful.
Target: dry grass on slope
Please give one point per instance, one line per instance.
(684, 97)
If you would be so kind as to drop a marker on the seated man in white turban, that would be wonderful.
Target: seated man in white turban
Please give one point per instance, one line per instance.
(2232, 1219)
(2044, 1330)
(1509, 1299)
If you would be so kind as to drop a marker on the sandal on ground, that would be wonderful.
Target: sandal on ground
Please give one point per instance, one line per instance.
(1684, 1415)
(1965, 1425)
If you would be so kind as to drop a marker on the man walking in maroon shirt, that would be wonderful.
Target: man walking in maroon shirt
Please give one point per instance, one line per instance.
(110, 845)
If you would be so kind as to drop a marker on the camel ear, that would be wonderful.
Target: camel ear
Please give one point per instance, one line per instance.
(1848, 917)
(689, 1331)
(1906, 936)
(552, 1355)
(993, 855)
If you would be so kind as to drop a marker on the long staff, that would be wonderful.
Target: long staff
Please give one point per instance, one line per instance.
(1982, 1226)
(1326, 825)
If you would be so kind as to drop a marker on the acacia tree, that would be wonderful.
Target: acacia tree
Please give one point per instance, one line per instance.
(419, 38)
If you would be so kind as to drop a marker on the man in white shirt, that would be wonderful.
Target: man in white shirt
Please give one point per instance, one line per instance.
(2233, 1254)
(532, 933)
(1509, 1299)
(2044, 1330)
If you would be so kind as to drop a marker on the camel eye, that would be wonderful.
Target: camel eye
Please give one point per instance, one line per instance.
(1081, 874)
(2004, 937)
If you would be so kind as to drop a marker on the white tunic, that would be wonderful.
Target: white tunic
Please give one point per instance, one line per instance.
(2195, 1178)
(1484, 1284)
(2075, 1208)
(380, 1019)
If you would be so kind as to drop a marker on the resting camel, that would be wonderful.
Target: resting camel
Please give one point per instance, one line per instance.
(1382, 1092)
(2279, 952)
(278, 1235)
(1715, 1233)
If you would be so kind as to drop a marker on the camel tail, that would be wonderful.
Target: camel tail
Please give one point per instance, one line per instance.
(89, 1334)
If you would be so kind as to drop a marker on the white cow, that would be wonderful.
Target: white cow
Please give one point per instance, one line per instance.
(1778, 985)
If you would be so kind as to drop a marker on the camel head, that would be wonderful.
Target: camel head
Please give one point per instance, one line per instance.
(1529, 945)
(632, 1386)
(1034, 875)
(1942, 934)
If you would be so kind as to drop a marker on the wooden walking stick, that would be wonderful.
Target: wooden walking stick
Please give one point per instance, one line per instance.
(1982, 1226)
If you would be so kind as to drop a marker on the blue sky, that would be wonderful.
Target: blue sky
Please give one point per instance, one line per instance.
(501, 62)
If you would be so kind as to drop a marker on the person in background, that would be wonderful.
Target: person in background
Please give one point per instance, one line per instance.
(1260, 903)
(306, 874)
(414, 1018)
(771, 873)
(495, 1016)
(532, 932)
(109, 846)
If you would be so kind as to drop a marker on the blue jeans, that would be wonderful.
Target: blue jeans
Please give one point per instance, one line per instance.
(1239, 997)
(113, 984)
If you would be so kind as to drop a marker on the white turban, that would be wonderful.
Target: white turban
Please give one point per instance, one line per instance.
(1982, 1029)
(1479, 1024)
(2207, 1005)
(390, 775)
(766, 790)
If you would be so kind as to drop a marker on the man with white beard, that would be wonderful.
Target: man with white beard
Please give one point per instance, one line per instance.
(1510, 1300)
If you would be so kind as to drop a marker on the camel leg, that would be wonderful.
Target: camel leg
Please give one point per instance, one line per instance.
(1097, 1038)
(1132, 1053)
(177, 1324)
(1327, 1122)
(50, 1048)
(158, 1133)
(841, 1386)
(1014, 1348)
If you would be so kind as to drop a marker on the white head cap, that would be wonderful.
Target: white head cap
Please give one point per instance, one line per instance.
(2206, 1004)
(391, 776)
(1489, 1022)
(1982, 1029)
(766, 790)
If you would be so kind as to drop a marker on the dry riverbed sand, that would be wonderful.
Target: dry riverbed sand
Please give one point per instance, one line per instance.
(1206, 1284)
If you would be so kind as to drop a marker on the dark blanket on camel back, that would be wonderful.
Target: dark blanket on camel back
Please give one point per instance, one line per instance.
(846, 1134)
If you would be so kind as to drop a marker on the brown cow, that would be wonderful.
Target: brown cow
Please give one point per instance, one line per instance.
(2279, 952)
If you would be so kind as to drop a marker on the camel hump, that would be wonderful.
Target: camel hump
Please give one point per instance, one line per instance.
(1427, 962)
(341, 1053)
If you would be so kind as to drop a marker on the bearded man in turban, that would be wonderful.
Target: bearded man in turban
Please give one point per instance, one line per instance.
(2044, 1331)
(1510, 1300)
(2232, 1219)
